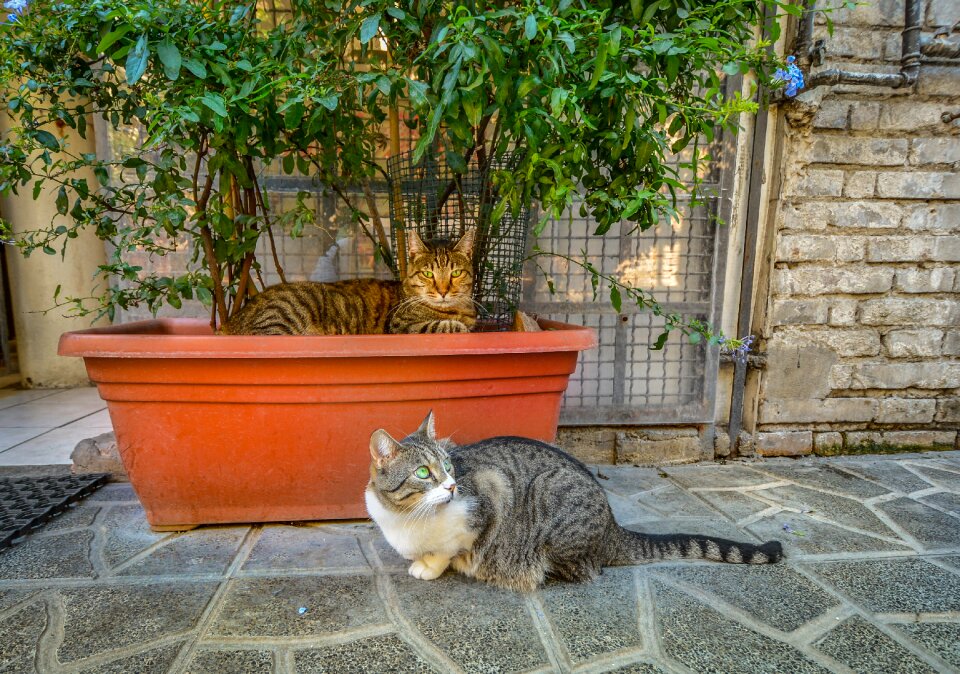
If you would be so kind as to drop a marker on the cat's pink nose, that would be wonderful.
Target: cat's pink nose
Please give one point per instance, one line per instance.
(452, 487)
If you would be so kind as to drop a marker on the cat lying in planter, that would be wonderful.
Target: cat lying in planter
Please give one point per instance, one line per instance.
(512, 512)
(435, 295)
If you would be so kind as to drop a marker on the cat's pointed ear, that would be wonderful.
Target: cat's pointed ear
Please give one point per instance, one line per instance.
(383, 447)
(465, 244)
(428, 428)
(415, 245)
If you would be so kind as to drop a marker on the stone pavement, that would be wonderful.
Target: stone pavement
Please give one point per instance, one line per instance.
(872, 584)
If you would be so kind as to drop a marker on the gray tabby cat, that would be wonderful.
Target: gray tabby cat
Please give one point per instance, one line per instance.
(513, 512)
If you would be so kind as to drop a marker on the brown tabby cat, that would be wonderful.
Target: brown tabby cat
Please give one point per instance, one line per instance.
(435, 296)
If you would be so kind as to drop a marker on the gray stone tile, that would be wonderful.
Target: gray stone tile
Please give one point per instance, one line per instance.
(209, 661)
(701, 526)
(946, 500)
(865, 649)
(932, 528)
(201, 551)
(74, 518)
(951, 561)
(155, 661)
(595, 618)
(894, 585)
(482, 628)
(709, 476)
(811, 537)
(942, 639)
(19, 635)
(626, 509)
(824, 476)
(285, 547)
(106, 618)
(671, 501)
(733, 504)
(367, 656)
(117, 491)
(63, 556)
(940, 478)
(638, 668)
(270, 606)
(835, 508)
(705, 641)
(389, 557)
(127, 533)
(628, 480)
(774, 594)
(890, 474)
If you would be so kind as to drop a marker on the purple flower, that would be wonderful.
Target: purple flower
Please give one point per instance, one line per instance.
(792, 77)
(15, 6)
(742, 348)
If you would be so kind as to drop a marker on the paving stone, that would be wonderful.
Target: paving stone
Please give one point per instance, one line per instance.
(710, 476)
(701, 526)
(389, 557)
(627, 509)
(638, 668)
(595, 618)
(119, 491)
(63, 556)
(671, 501)
(207, 550)
(482, 628)
(932, 528)
(942, 639)
(953, 562)
(10, 598)
(628, 480)
(18, 639)
(127, 533)
(947, 501)
(705, 641)
(270, 606)
(824, 477)
(155, 661)
(366, 656)
(74, 518)
(865, 649)
(940, 478)
(835, 508)
(894, 585)
(105, 618)
(304, 548)
(890, 474)
(209, 661)
(734, 504)
(805, 535)
(774, 594)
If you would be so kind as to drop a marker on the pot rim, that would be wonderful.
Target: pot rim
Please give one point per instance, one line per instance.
(192, 338)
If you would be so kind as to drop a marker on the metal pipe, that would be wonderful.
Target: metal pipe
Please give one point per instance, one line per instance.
(804, 46)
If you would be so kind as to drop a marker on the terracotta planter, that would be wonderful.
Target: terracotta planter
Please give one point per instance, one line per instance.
(215, 429)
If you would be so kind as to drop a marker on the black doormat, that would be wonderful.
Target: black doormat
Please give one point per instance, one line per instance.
(28, 502)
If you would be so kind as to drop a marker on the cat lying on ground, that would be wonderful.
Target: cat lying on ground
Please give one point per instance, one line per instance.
(513, 512)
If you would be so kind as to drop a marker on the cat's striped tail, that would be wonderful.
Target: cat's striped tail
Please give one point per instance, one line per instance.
(630, 547)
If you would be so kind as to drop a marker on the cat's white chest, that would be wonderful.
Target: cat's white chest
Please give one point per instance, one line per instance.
(445, 532)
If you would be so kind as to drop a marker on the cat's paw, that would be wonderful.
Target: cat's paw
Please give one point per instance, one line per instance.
(420, 570)
(452, 326)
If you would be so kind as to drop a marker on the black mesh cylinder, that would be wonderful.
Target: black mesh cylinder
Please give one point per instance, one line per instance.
(441, 204)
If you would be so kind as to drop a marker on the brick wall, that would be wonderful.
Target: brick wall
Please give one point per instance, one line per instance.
(862, 325)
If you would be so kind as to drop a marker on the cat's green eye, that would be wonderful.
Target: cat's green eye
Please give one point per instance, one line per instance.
(447, 466)
(456, 273)
(422, 472)
(428, 274)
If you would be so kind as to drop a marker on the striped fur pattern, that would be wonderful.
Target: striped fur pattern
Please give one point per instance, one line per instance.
(435, 296)
(513, 512)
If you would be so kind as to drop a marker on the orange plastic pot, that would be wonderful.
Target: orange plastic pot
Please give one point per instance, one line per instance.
(216, 429)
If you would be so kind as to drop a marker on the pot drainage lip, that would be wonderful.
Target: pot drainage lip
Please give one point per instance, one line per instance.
(26, 503)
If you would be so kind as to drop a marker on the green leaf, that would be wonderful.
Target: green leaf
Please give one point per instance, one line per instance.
(530, 27)
(48, 140)
(239, 12)
(205, 296)
(600, 64)
(110, 38)
(137, 60)
(170, 58)
(567, 40)
(695, 337)
(214, 102)
(369, 28)
(329, 101)
(615, 298)
(196, 67)
(661, 341)
(417, 92)
(62, 202)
